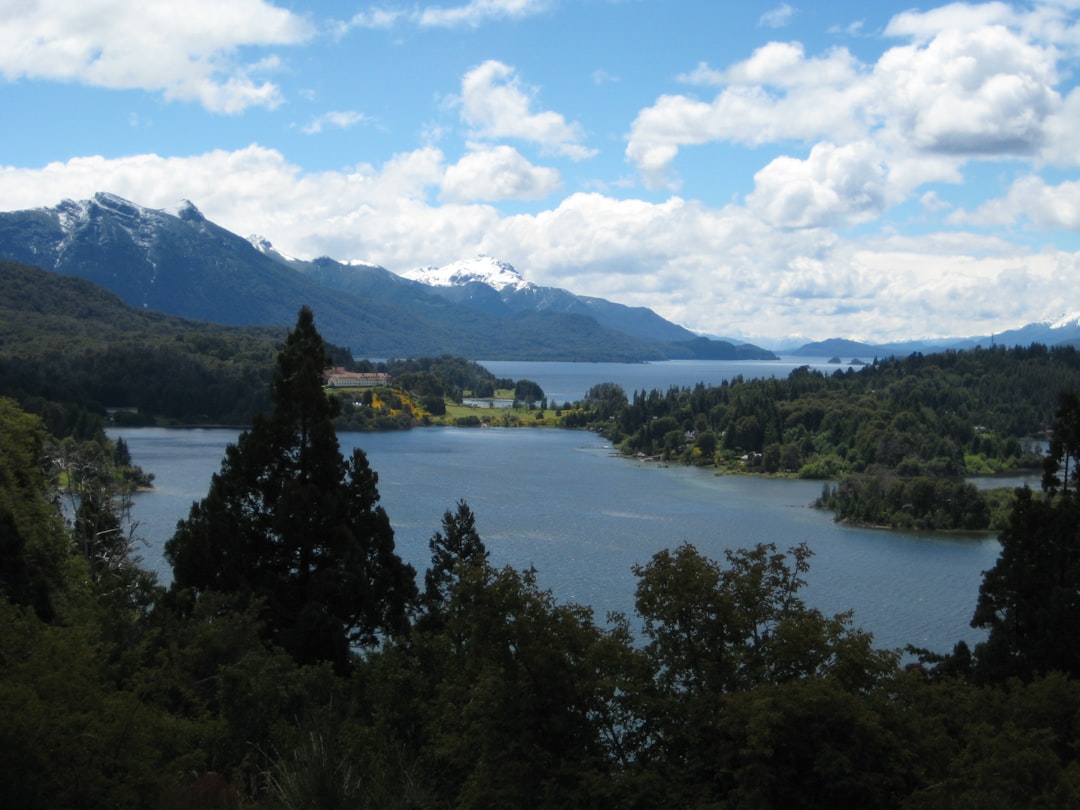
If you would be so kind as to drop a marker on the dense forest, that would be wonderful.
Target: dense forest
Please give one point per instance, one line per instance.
(899, 433)
(296, 662)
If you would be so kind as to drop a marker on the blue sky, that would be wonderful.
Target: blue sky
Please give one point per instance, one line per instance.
(761, 171)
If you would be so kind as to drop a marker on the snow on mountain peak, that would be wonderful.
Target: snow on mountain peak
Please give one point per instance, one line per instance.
(482, 269)
(186, 210)
(264, 246)
(1062, 321)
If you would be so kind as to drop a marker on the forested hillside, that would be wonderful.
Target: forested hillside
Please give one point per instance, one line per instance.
(899, 432)
(296, 662)
(69, 350)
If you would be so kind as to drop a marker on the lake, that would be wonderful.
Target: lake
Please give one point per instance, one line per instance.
(568, 382)
(563, 502)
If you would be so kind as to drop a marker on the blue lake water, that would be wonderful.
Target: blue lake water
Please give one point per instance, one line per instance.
(562, 502)
(568, 382)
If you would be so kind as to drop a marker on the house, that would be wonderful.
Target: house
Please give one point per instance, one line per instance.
(338, 377)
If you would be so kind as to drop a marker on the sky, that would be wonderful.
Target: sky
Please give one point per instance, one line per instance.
(761, 171)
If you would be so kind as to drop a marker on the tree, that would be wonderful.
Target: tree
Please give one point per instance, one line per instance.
(33, 546)
(290, 522)
(1030, 599)
(528, 392)
(722, 638)
(457, 546)
(1062, 465)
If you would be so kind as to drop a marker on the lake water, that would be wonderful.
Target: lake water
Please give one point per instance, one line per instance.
(568, 382)
(563, 502)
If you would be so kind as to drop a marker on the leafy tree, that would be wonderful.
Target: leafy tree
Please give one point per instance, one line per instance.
(716, 633)
(33, 546)
(288, 521)
(528, 392)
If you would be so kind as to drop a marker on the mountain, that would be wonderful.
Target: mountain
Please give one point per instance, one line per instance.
(178, 262)
(837, 347)
(1063, 330)
(472, 282)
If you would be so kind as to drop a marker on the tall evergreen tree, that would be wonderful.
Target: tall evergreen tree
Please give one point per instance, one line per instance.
(455, 549)
(1030, 599)
(290, 522)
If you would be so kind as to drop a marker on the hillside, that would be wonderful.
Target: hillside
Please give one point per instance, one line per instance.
(69, 350)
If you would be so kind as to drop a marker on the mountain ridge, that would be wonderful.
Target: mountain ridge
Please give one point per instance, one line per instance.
(178, 262)
(182, 264)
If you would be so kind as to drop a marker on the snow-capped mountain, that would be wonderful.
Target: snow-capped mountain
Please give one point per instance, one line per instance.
(266, 247)
(489, 285)
(1068, 321)
(178, 262)
(500, 276)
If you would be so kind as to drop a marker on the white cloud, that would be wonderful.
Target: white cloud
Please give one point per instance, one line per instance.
(724, 270)
(182, 48)
(496, 106)
(375, 18)
(497, 173)
(776, 95)
(980, 93)
(1051, 207)
(777, 17)
(974, 83)
(477, 12)
(957, 17)
(339, 119)
(835, 186)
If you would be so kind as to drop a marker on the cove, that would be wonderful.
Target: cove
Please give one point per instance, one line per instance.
(562, 501)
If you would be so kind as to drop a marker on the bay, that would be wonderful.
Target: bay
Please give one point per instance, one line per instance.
(563, 502)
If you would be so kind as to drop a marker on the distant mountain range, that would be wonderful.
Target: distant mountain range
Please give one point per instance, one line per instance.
(178, 262)
(1061, 331)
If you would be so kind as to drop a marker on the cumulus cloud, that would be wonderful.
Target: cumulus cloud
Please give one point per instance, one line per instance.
(983, 92)
(1054, 207)
(496, 106)
(375, 18)
(835, 186)
(184, 49)
(723, 270)
(972, 82)
(497, 173)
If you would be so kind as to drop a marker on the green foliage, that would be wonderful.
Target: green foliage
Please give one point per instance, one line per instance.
(287, 520)
(880, 497)
(918, 415)
(33, 546)
(456, 548)
(69, 350)
(736, 693)
(528, 392)
(921, 418)
(445, 376)
(1030, 599)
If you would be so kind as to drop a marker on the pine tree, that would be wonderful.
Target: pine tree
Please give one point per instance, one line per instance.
(458, 545)
(1030, 599)
(290, 522)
